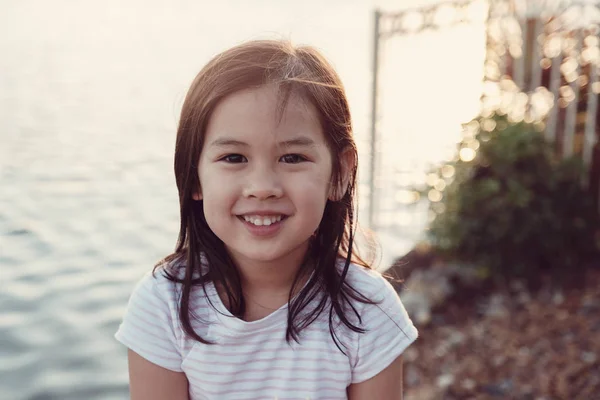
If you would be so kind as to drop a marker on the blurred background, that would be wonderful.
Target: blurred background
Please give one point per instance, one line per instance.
(90, 94)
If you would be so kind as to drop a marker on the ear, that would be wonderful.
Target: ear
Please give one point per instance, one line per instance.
(348, 161)
(197, 193)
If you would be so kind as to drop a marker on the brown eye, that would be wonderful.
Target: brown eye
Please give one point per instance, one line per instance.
(293, 158)
(234, 158)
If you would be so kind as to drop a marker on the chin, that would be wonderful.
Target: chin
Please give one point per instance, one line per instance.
(264, 257)
(268, 254)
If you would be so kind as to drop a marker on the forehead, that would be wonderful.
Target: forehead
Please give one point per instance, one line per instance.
(256, 116)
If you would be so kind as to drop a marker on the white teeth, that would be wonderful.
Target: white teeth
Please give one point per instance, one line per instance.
(260, 220)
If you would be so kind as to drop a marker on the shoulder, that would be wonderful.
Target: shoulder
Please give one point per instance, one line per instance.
(150, 327)
(388, 329)
(369, 282)
(152, 316)
(159, 289)
(385, 308)
(372, 298)
(164, 284)
(156, 283)
(153, 295)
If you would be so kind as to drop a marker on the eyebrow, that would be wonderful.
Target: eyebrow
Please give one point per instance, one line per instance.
(299, 141)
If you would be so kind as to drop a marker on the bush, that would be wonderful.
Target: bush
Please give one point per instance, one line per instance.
(516, 209)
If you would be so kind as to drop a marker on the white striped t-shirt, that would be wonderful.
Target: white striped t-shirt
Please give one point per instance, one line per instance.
(252, 360)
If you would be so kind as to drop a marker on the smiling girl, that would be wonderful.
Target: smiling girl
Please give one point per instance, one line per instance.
(265, 296)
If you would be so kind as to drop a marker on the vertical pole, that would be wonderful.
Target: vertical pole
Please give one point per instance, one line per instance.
(590, 123)
(555, 79)
(592, 105)
(571, 117)
(520, 63)
(536, 55)
(374, 96)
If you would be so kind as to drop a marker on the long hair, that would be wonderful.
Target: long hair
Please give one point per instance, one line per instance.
(301, 70)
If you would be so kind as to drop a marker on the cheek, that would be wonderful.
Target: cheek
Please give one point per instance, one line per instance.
(215, 195)
(217, 206)
(312, 192)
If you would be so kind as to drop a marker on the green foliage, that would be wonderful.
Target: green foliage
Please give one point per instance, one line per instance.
(515, 209)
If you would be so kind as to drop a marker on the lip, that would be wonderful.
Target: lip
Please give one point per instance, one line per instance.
(263, 213)
(263, 230)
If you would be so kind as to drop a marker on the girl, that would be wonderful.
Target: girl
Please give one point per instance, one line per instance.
(265, 296)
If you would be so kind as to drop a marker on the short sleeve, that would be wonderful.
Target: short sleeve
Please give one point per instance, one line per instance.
(148, 327)
(389, 331)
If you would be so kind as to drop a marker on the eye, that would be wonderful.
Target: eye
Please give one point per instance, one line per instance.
(234, 158)
(293, 158)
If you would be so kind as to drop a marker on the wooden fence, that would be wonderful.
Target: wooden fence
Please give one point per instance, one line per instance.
(552, 49)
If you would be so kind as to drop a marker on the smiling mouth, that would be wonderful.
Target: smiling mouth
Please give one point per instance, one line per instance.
(262, 220)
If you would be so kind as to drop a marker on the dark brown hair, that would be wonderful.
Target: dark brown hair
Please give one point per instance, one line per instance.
(301, 70)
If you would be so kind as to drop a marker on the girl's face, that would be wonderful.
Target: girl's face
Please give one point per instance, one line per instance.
(264, 180)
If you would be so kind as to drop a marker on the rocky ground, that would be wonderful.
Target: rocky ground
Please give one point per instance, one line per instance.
(484, 342)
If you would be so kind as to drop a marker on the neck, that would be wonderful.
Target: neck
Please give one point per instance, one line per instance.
(274, 277)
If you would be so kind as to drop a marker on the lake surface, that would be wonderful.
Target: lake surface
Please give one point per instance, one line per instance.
(89, 99)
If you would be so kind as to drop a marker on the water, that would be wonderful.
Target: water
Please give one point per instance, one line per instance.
(89, 97)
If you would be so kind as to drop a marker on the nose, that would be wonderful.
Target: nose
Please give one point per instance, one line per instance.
(263, 183)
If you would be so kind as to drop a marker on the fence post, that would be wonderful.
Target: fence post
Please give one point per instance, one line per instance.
(571, 114)
(589, 136)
